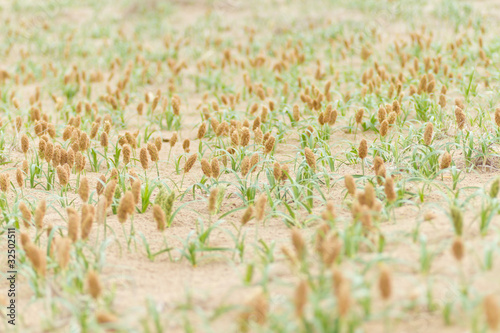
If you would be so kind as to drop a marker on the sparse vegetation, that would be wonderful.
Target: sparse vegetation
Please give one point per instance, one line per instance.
(251, 166)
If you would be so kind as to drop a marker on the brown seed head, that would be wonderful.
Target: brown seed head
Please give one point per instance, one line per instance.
(40, 213)
(245, 166)
(159, 217)
(385, 283)
(212, 200)
(26, 213)
(62, 175)
(310, 158)
(37, 258)
(185, 145)
(363, 149)
(457, 249)
(173, 140)
(19, 178)
(247, 216)
(109, 191)
(460, 117)
(214, 168)
(300, 299)
(492, 312)
(269, 145)
(158, 143)
(445, 160)
(384, 128)
(205, 167)
(277, 171)
(359, 116)
(261, 206)
(73, 224)
(428, 134)
(136, 190)
(153, 152)
(94, 284)
(350, 184)
(202, 130)
(144, 158)
(25, 143)
(126, 152)
(389, 189)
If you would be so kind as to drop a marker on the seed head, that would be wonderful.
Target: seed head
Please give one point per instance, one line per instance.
(442, 101)
(369, 195)
(126, 152)
(153, 152)
(49, 151)
(460, 117)
(392, 118)
(261, 207)
(173, 140)
(344, 298)
(26, 213)
(359, 116)
(245, 137)
(40, 213)
(126, 207)
(384, 128)
(269, 145)
(389, 189)
(205, 167)
(492, 312)
(19, 178)
(350, 184)
(109, 191)
(363, 149)
(158, 143)
(136, 190)
(190, 162)
(73, 224)
(62, 175)
(25, 143)
(214, 168)
(385, 283)
(382, 114)
(497, 116)
(277, 171)
(245, 166)
(25, 167)
(104, 139)
(212, 200)
(83, 190)
(37, 258)
(144, 158)
(296, 113)
(300, 298)
(377, 163)
(159, 217)
(258, 136)
(185, 145)
(428, 134)
(457, 249)
(445, 160)
(202, 130)
(94, 284)
(298, 243)
(310, 158)
(247, 216)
